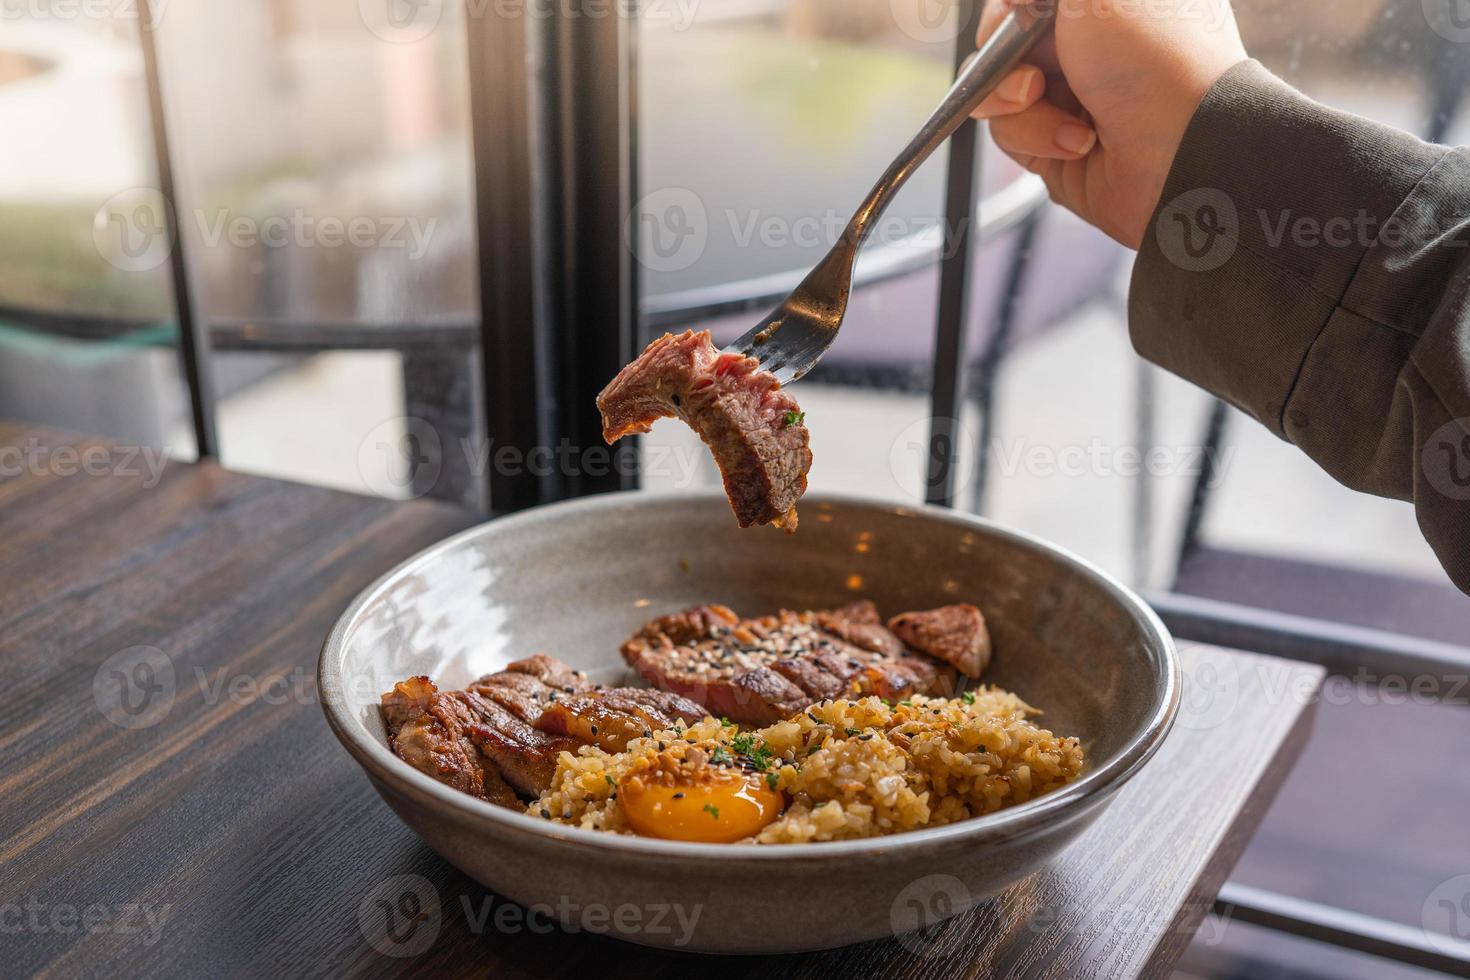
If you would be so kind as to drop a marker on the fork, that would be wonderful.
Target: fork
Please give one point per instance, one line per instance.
(789, 342)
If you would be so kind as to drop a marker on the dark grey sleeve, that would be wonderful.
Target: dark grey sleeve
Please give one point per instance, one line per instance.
(1312, 268)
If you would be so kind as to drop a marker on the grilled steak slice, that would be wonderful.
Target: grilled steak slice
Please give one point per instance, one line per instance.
(694, 653)
(527, 686)
(431, 732)
(955, 634)
(753, 427)
(759, 671)
(613, 718)
(503, 736)
(859, 624)
(525, 756)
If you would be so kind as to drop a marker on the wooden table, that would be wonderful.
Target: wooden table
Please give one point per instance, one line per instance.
(173, 804)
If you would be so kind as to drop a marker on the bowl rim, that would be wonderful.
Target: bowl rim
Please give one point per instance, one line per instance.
(1024, 818)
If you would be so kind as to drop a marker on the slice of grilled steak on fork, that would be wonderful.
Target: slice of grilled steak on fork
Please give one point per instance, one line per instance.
(754, 428)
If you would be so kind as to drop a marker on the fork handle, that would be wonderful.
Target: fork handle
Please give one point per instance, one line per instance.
(1001, 52)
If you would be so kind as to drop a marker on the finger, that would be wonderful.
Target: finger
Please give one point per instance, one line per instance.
(1059, 93)
(1018, 91)
(1044, 131)
(1043, 54)
(1053, 174)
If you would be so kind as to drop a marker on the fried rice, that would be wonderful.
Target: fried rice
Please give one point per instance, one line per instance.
(844, 769)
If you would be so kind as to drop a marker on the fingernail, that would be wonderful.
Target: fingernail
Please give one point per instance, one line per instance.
(1075, 138)
(1017, 86)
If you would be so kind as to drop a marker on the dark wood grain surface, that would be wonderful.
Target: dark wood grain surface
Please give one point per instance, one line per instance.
(172, 802)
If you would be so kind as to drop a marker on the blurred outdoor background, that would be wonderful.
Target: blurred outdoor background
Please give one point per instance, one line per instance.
(325, 195)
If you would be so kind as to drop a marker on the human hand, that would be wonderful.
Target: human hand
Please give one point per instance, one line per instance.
(1100, 107)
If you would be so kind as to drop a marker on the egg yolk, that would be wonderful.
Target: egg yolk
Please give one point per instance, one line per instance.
(718, 806)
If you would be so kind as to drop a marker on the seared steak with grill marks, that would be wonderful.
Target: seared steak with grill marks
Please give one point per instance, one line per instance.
(613, 718)
(503, 735)
(525, 756)
(431, 732)
(759, 671)
(526, 687)
(753, 427)
(955, 634)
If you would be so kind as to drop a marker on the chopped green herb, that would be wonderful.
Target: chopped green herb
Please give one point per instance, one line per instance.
(721, 756)
(968, 697)
(759, 755)
(726, 723)
(907, 704)
(812, 749)
(854, 731)
(794, 417)
(610, 780)
(712, 810)
(772, 780)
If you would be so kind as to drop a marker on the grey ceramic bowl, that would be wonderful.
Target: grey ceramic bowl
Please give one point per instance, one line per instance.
(575, 579)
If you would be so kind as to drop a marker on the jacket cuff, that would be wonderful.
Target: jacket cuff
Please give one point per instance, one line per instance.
(1268, 210)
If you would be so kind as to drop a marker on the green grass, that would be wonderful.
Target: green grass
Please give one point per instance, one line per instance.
(48, 261)
(830, 107)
